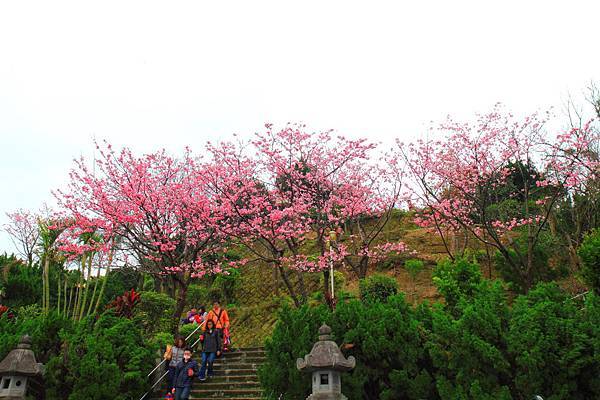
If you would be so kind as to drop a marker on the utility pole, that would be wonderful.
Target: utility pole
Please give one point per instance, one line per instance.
(332, 238)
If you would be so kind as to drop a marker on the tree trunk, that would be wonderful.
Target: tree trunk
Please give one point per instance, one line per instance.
(46, 284)
(288, 285)
(276, 282)
(327, 289)
(171, 285)
(69, 308)
(181, 300)
(101, 294)
(87, 288)
(78, 288)
(65, 299)
(76, 302)
(58, 294)
(157, 284)
(303, 292)
(94, 291)
(363, 267)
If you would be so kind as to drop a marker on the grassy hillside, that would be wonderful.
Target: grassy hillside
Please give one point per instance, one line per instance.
(260, 293)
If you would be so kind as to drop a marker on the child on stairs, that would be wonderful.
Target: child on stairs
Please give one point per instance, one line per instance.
(184, 374)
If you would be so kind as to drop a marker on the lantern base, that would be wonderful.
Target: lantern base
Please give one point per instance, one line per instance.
(327, 396)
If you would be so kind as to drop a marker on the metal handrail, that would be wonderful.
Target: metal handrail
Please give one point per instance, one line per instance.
(161, 363)
(153, 386)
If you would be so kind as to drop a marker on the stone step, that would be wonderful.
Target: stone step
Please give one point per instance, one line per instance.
(197, 397)
(235, 378)
(239, 356)
(236, 366)
(210, 384)
(197, 391)
(226, 398)
(235, 372)
(251, 349)
(239, 361)
(245, 351)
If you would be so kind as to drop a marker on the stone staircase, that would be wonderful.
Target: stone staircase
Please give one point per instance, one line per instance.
(236, 377)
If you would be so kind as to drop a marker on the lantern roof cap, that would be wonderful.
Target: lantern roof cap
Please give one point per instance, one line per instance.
(325, 355)
(21, 361)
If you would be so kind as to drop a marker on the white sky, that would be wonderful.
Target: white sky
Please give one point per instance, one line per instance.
(150, 74)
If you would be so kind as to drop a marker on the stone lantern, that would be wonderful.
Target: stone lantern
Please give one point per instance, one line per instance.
(20, 374)
(326, 362)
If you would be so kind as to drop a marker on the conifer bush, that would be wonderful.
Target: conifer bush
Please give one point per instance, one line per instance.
(467, 346)
(550, 347)
(377, 288)
(293, 337)
(104, 359)
(155, 312)
(589, 252)
(476, 345)
(457, 279)
(385, 339)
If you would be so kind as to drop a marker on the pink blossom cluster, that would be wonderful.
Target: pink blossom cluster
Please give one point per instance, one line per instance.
(453, 172)
(289, 185)
(178, 215)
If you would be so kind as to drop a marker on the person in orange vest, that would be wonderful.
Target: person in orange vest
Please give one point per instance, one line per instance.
(221, 319)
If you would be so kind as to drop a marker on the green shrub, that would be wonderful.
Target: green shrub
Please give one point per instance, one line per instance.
(104, 359)
(89, 359)
(155, 312)
(384, 338)
(589, 252)
(467, 346)
(589, 326)
(514, 272)
(215, 293)
(227, 285)
(547, 344)
(186, 330)
(414, 266)
(388, 348)
(377, 287)
(21, 284)
(196, 296)
(456, 279)
(550, 350)
(29, 311)
(292, 338)
(160, 341)
(148, 283)
(119, 281)
(44, 332)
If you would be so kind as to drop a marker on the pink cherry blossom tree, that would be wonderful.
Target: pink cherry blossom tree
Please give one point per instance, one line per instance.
(458, 174)
(289, 187)
(152, 210)
(24, 233)
(35, 241)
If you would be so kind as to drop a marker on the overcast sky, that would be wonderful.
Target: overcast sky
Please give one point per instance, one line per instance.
(150, 74)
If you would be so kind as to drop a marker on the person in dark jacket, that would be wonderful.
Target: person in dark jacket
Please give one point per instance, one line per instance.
(211, 348)
(184, 374)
